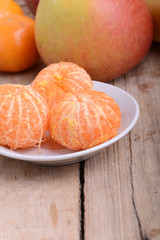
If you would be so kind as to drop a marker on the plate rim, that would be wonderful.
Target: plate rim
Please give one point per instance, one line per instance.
(80, 153)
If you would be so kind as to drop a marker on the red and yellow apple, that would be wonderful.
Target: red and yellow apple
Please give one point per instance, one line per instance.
(105, 37)
(154, 6)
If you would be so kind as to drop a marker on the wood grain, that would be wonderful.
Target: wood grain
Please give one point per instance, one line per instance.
(122, 183)
(38, 202)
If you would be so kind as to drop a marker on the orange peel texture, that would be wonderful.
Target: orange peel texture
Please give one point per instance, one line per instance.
(18, 49)
(11, 7)
(23, 116)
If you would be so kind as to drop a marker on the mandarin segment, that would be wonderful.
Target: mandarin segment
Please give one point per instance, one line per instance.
(49, 90)
(23, 116)
(64, 77)
(84, 120)
(109, 107)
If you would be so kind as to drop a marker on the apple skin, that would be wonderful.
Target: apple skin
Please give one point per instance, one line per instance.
(154, 6)
(32, 4)
(105, 37)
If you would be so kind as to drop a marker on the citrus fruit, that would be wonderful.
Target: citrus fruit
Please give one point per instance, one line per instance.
(17, 44)
(11, 7)
(56, 79)
(23, 116)
(83, 120)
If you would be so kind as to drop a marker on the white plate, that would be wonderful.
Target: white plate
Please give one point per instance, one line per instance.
(53, 154)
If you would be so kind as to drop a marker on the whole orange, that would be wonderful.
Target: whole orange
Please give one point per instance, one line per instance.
(11, 7)
(17, 44)
(84, 120)
(59, 78)
(23, 116)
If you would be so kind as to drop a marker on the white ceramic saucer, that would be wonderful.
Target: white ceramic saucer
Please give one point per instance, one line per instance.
(53, 154)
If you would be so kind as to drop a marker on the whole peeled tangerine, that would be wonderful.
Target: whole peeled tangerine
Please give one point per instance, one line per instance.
(105, 37)
(84, 120)
(59, 78)
(23, 116)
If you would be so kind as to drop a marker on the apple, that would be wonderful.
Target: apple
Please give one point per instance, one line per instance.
(154, 6)
(32, 4)
(107, 38)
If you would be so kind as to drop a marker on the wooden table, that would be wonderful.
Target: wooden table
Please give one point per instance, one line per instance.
(115, 195)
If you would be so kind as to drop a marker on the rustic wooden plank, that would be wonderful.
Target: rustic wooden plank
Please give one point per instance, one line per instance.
(121, 190)
(145, 141)
(109, 210)
(40, 203)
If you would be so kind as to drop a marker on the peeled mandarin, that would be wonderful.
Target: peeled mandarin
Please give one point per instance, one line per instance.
(84, 120)
(64, 77)
(23, 116)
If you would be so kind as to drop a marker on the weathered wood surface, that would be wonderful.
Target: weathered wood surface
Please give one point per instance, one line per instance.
(112, 196)
(122, 183)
